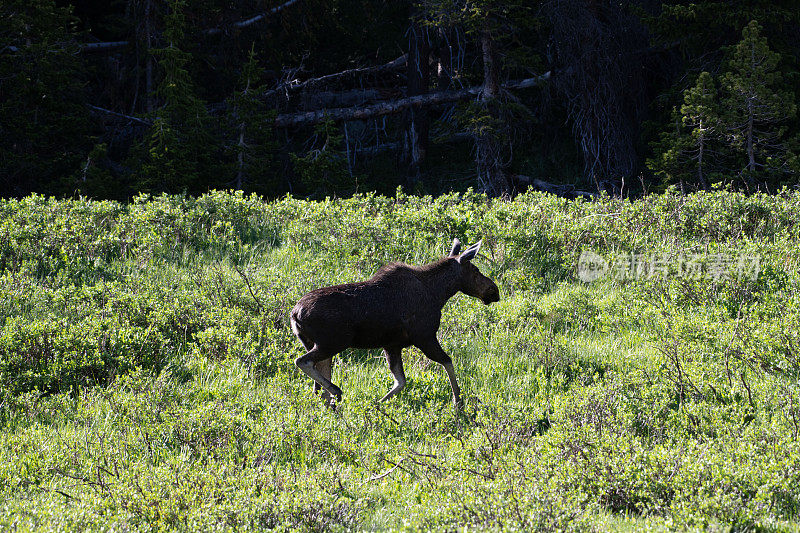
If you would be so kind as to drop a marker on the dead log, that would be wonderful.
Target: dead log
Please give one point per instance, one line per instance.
(103, 47)
(343, 114)
(563, 190)
(314, 100)
(375, 110)
(252, 20)
(527, 82)
(394, 64)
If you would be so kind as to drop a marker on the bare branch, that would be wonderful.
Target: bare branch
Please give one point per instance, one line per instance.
(249, 288)
(119, 115)
(295, 85)
(381, 476)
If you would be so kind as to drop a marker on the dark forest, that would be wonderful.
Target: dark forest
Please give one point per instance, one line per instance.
(318, 98)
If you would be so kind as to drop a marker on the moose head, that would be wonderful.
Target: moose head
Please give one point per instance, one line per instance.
(472, 282)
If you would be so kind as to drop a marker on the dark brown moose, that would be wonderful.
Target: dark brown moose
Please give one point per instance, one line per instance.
(400, 306)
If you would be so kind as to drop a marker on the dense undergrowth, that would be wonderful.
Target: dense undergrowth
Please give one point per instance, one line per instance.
(146, 376)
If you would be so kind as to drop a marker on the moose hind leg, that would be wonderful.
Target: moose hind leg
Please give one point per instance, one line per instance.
(324, 368)
(433, 351)
(307, 363)
(394, 356)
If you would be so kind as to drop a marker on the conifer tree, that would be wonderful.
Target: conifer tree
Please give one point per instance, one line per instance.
(689, 148)
(251, 124)
(180, 144)
(757, 104)
(699, 113)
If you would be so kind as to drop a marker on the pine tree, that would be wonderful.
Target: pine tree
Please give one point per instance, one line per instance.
(689, 148)
(699, 113)
(180, 145)
(250, 123)
(757, 105)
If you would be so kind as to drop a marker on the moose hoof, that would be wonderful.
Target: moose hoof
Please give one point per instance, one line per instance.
(336, 392)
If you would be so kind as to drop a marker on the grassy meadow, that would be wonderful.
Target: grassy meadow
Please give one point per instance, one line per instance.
(147, 378)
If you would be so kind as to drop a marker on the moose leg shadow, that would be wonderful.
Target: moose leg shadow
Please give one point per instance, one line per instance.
(433, 351)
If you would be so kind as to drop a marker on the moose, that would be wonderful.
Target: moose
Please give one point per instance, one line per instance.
(400, 306)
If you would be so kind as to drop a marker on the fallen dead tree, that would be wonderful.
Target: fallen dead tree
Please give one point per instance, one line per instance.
(563, 190)
(344, 114)
(394, 64)
(119, 116)
(295, 85)
(104, 46)
(111, 45)
(252, 20)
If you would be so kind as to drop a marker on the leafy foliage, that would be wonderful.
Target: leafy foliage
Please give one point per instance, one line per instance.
(147, 378)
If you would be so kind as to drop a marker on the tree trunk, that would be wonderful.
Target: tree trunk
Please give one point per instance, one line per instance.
(315, 100)
(444, 64)
(491, 83)
(104, 46)
(375, 110)
(700, 154)
(489, 148)
(415, 137)
(240, 158)
(395, 64)
(751, 157)
(252, 20)
(148, 97)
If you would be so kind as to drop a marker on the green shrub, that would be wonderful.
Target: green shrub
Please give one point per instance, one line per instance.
(147, 378)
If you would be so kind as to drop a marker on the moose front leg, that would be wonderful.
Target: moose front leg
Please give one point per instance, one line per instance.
(394, 356)
(433, 351)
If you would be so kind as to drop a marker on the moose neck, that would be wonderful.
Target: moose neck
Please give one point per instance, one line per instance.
(442, 278)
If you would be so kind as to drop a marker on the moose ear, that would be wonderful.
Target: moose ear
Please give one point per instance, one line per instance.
(470, 252)
(456, 248)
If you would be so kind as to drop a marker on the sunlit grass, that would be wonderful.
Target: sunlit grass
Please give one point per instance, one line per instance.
(617, 405)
